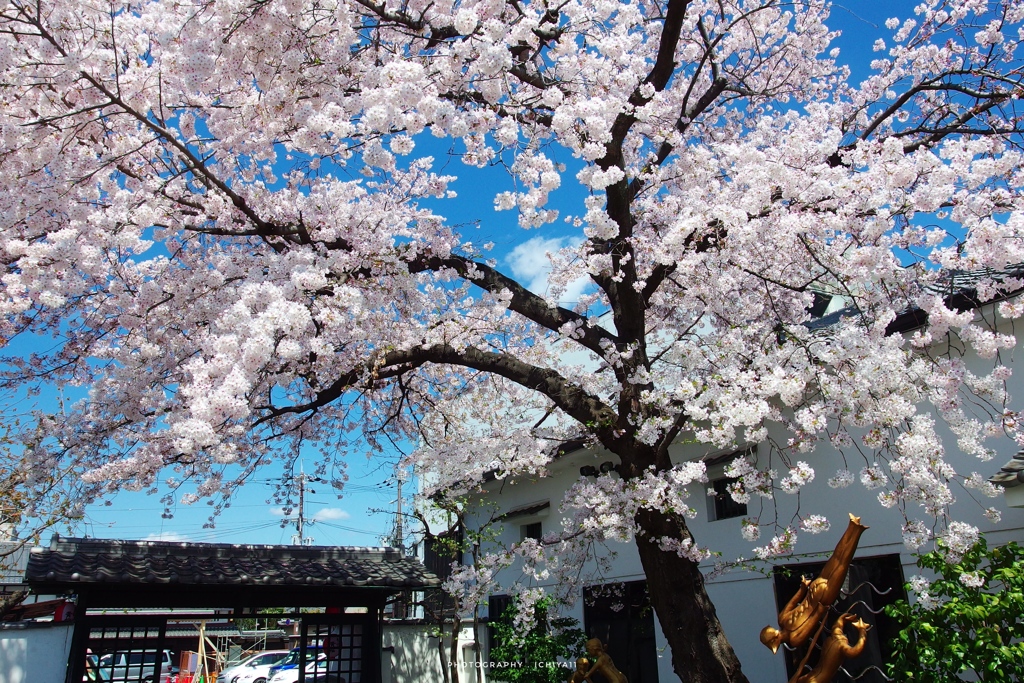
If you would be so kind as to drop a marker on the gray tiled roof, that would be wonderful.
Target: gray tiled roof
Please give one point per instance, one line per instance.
(959, 290)
(91, 561)
(171, 630)
(1011, 474)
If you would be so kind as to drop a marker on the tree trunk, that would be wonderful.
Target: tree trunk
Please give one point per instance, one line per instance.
(440, 637)
(453, 657)
(8, 603)
(477, 655)
(700, 651)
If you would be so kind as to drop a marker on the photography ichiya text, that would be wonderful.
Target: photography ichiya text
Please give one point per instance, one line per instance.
(515, 665)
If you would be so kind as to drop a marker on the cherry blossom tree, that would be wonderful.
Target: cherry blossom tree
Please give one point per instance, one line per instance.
(39, 490)
(217, 223)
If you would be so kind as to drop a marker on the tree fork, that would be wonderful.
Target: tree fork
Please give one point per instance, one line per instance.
(700, 651)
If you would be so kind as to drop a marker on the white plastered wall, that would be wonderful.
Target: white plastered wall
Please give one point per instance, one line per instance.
(35, 653)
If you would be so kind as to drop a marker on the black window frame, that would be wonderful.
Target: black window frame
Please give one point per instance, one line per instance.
(724, 505)
(533, 530)
(871, 584)
(621, 616)
(497, 606)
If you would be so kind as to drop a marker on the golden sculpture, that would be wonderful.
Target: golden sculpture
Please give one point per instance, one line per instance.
(580, 675)
(806, 609)
(836, 649)
(602, 664)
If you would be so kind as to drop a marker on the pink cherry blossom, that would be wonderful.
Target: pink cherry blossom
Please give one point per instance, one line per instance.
(232, 231)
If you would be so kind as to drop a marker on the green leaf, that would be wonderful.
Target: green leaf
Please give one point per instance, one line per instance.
(967, 631)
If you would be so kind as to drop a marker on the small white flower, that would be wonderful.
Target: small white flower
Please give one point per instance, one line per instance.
(960, 537)
(888, 499)
(815, 524)
(779, 545)
(842, 479)
(972, 579)
(466, 21)
(927, 601)
(993, 515)
(800, 475)
(915, 534)
(919, 584)
(872, 477)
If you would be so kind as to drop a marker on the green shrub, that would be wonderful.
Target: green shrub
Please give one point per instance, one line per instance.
(533, 657)
(969, 620)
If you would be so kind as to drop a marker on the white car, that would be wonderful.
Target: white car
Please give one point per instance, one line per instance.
(147, 666)
(292, 675)
(252, 669)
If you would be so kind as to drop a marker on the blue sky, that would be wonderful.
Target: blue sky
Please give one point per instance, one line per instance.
(350, 520)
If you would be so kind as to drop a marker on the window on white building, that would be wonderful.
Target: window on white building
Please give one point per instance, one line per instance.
(531, 530)
(620, 614)
(723, 506)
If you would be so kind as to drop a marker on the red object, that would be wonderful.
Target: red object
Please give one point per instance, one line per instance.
(333, 646)
(64, 612)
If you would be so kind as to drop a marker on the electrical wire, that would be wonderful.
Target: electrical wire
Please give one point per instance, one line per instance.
(350, 529)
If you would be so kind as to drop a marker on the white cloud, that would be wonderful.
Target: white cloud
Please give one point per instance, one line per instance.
(530, 262)
(530, 265)
(329, 514)
(166, 536)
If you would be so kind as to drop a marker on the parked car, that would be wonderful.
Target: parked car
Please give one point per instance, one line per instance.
(93, 674)
(313, 652)
(253, 668)
(135, 666)
(291, 674)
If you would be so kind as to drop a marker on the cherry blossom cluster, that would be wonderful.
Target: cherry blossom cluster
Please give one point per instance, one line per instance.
(920, 586)
(230, 233)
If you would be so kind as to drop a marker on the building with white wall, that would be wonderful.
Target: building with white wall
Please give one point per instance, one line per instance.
(747, 600)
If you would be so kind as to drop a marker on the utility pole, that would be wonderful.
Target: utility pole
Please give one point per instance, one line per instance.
(399, 535)
(300, 522)
(401, 603)
(302, 506)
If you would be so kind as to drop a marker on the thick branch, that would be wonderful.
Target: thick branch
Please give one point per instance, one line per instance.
(524, 302)
(569, 397)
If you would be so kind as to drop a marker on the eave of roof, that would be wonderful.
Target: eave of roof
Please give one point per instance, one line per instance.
(1011, 474)
(526, 510)
(959, 293)
(78, 561)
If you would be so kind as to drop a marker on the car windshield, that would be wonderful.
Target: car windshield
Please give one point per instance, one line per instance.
(293, 657)
(319, 665)
(147, 657)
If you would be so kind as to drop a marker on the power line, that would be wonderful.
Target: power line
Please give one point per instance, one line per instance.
(351, 529)
(215, 533)
(112, 508)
